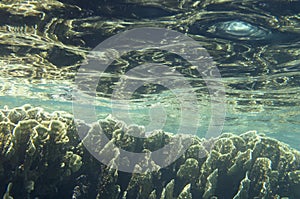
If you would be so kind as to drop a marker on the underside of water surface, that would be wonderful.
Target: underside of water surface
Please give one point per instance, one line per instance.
(254, 45)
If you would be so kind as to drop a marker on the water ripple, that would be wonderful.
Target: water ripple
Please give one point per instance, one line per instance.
(256, 46)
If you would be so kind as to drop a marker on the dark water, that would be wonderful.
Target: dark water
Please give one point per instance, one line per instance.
(255, 44)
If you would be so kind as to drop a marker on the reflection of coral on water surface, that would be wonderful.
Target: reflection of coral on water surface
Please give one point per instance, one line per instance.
(42, 157)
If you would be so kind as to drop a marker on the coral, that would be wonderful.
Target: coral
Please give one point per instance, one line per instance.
(231, 166)
(41, 154)
(74, 161)
(7, 194)
(188, 171)
(38, 150)
(211, 184)
(243, 188)
(186, 192)
(167, 192)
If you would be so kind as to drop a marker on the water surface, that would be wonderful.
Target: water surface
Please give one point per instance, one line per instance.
(255, 45)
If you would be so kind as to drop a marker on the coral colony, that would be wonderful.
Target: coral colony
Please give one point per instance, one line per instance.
(42, 157)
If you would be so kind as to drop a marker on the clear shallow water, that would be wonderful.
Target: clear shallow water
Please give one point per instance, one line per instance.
(256, 46)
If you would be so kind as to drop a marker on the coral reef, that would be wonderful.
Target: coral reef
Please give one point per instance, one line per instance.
(42, 156)
(245, 166)
(38, 150)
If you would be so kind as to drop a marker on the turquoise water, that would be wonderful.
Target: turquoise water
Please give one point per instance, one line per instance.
(49, 59)
(255, 46)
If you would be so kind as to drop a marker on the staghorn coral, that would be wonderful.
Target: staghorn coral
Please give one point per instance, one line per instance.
(42, 156)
